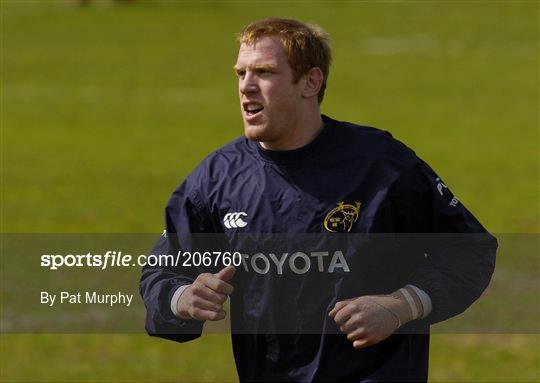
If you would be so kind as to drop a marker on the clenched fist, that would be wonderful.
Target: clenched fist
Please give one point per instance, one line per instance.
(204, 298)
(369, 319)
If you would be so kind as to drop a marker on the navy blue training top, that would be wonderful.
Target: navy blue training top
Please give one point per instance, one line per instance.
(349, 179)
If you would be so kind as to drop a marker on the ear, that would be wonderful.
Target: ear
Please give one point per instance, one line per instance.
(312, 82)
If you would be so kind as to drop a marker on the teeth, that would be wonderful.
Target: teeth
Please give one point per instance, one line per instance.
(253, 107)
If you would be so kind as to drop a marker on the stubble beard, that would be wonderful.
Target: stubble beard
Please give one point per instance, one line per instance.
(259, 133)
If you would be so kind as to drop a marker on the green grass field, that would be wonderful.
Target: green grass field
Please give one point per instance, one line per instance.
(106, 108)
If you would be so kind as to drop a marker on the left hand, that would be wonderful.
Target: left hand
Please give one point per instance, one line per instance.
(365, 321)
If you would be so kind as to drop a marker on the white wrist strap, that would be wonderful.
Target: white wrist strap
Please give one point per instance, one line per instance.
(425, 300)
(174, 301)
(410, 301)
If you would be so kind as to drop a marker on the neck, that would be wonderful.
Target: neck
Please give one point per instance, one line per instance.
(302, 134)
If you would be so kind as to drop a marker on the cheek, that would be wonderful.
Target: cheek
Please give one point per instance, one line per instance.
(282, 99)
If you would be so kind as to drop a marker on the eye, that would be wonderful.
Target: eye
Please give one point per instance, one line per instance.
(240, 73)
(263, 72)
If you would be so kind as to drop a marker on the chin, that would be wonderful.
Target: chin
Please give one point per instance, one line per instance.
(256, 132)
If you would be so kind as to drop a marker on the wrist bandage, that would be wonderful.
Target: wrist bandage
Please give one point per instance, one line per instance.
(404, 304)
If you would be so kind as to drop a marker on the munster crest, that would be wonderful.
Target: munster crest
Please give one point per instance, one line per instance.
(342, 217)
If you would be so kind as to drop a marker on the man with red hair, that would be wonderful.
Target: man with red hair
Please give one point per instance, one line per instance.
(297, 171)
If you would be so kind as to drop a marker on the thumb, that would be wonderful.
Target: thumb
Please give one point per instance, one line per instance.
(226, 273)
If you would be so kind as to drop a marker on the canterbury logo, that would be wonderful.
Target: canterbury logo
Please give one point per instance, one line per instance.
(234, 220)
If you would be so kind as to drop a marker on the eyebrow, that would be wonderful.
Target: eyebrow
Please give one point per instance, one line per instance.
(264, 66)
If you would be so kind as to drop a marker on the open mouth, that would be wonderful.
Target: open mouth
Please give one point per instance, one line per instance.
(252, 108)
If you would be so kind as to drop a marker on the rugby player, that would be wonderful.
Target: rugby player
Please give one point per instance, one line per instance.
(297, 171)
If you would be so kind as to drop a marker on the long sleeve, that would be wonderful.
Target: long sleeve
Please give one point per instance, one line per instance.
(184, 216)
(458, 254)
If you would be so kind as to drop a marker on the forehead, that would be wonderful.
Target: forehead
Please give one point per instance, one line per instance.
(266, 50)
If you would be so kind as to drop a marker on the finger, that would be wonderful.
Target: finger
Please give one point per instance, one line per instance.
(352, 324)
(343, 315)
(218, 285)
(204, 304)
(357, 334)
(201, 314)
(338, 306)
(226, 273)
(210, 295)
(360, 344)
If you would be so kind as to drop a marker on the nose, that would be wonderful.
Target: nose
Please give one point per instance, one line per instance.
(248, 84)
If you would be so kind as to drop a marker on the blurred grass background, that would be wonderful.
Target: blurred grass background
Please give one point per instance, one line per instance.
(105, 108)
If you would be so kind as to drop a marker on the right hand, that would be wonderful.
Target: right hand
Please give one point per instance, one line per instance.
(204, 298)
